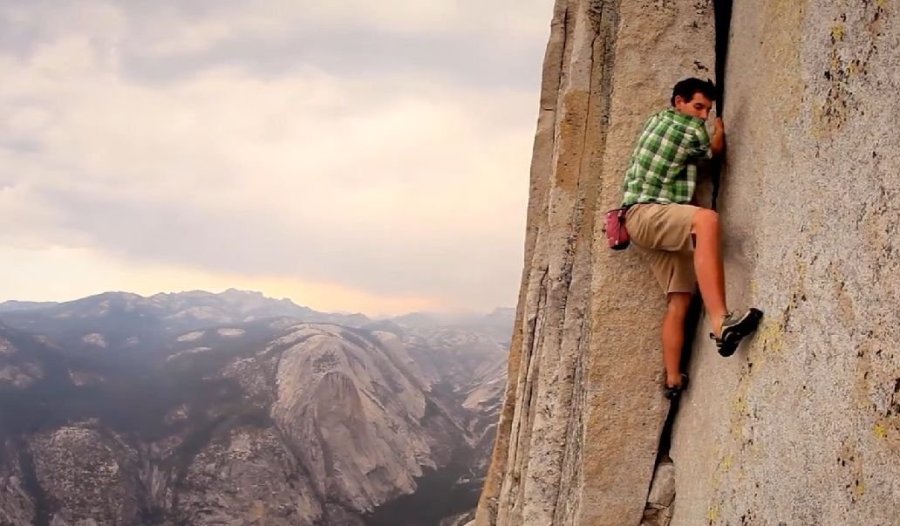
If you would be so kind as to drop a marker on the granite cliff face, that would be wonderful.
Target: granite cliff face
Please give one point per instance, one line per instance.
(205, 409)
(802, 425)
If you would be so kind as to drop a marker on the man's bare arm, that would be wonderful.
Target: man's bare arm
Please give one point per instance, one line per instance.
(717, 143)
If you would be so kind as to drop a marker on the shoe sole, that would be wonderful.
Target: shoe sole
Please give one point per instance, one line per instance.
(732, 336)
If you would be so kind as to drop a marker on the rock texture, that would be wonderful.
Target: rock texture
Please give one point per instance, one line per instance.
(802, 426)
(356, 416)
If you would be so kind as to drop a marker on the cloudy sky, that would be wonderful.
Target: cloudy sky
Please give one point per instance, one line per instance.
(353, 155)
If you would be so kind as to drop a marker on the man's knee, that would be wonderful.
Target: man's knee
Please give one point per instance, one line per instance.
(705, 220)
(706, 217)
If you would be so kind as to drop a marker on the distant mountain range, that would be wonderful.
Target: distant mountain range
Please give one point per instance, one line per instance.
(13, 305)
(233, 408)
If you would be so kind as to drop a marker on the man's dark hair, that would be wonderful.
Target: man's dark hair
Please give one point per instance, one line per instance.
(687, 88)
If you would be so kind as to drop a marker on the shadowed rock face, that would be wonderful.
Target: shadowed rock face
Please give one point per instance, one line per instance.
(802, 425)
(270, 421)
(359, 419)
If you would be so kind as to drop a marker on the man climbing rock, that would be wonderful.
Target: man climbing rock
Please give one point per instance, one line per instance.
(681, 241)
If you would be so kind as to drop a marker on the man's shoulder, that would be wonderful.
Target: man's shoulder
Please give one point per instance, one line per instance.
(670, 119)
(676, 117)
(658, 115)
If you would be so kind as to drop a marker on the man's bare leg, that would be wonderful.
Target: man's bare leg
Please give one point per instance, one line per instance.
(708, 265)
(673, 335)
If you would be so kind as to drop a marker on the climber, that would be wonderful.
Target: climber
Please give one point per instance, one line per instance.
(677, 236)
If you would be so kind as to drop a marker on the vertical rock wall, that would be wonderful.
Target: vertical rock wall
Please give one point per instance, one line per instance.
(578, 436)
(802, 426)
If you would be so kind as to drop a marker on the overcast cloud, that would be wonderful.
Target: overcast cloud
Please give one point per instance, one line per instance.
(380, 148)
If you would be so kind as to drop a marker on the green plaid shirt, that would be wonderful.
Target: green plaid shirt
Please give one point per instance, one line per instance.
(663, 166)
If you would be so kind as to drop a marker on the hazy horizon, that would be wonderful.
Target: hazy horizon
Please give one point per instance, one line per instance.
(371, 315)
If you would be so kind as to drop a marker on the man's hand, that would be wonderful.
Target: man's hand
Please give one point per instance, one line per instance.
(717, 143)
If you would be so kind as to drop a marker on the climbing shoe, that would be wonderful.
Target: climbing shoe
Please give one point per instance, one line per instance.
(674, 392)
(734, 328)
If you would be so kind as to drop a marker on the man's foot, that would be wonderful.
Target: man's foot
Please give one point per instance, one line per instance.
(673, 391)
(734, 328)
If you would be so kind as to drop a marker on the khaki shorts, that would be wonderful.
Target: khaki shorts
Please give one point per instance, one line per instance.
(663, 233)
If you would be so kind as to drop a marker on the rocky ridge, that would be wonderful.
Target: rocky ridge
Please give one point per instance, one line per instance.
(236, 418)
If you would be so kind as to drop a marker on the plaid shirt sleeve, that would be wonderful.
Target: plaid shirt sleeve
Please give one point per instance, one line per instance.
(698, 147)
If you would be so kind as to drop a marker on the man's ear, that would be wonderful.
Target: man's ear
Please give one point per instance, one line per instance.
(679, 100)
